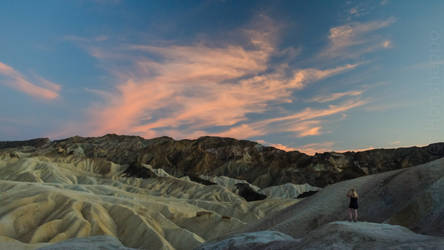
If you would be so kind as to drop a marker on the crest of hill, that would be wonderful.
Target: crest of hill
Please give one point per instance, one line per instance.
(241, 159)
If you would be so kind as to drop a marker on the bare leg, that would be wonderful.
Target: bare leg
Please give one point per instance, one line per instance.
(356, 214)
(350, 214)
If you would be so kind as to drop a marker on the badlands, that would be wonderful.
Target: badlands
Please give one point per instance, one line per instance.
(126, 192)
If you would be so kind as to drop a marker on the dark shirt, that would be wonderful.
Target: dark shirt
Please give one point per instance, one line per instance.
(353, 202)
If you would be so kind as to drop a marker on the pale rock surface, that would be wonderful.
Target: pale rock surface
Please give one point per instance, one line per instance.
(53, 199)
(285, 191)
(228, 182)
(288, 190)
(157, 171)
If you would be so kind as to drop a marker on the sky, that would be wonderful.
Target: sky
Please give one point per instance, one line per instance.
(312, 76)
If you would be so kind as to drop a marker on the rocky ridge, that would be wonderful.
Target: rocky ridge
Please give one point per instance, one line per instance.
(241, 159)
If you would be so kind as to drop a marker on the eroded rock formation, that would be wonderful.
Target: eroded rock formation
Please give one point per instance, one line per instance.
(246, 160)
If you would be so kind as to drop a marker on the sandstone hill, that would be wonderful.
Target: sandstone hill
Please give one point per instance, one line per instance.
(50, 199)
(245, 160)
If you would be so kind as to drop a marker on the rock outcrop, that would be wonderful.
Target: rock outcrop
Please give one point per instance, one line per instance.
(290, 191)
(246, 160)
(411, 197)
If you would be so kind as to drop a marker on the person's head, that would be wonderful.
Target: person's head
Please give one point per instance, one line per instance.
(354, 193)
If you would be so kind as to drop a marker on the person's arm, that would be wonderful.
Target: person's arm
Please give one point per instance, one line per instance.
(349, 193)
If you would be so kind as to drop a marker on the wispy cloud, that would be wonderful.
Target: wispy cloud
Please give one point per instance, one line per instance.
(16, 80)
(355, 39)
(335, 96)
(193, 90)
(304, 123)
(186, 91)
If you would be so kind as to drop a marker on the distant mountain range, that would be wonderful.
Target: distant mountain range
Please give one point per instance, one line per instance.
(260, 165)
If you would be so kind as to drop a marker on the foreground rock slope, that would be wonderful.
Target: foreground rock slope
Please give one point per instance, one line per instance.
(412, 197)
(339, 235)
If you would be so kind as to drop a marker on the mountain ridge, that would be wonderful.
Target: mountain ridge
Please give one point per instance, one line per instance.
(242, 159)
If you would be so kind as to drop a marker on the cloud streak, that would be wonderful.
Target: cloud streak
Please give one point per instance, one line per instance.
(16, 80)
(193, 90)
(335, 96)
(355, 39)
(187, 91)
(304, 123)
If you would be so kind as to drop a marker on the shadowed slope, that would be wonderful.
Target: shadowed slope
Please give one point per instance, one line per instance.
(412, 197)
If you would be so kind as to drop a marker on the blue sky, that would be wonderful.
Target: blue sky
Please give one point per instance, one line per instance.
(312, 76)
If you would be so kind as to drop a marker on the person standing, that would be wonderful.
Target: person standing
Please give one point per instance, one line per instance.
(353, 206)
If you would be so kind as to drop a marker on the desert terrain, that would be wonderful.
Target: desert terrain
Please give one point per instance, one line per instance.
(122, 192)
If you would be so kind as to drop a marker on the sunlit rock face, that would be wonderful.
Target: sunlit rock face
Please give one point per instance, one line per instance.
(245, 160)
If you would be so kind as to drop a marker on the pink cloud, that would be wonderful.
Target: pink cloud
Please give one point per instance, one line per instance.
(283, 147)
(189, 90)
(197, 87)
(302, 123)
(203, 100)
(309, 113)
(311, 132)
(14, 79)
